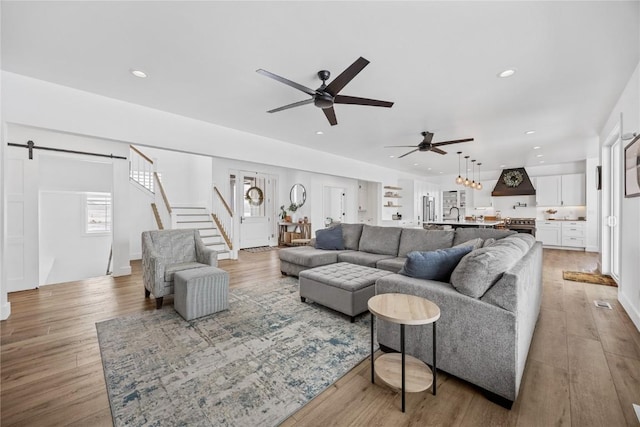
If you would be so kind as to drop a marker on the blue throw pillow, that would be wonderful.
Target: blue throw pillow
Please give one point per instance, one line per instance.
(330, 238)
(434, 265)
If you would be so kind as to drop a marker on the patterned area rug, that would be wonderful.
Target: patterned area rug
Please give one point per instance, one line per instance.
(581, 276)
(260, 249)
(252, 365)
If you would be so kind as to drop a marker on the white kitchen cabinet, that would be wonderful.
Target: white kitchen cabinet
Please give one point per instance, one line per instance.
(549, 232)
(573, 190)
(573, 234)
(561, 190)
(482, 198)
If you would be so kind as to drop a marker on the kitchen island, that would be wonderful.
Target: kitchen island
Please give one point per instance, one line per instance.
(463, 223)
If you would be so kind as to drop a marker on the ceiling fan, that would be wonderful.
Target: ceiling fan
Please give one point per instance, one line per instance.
(427, 145)
(326, 95)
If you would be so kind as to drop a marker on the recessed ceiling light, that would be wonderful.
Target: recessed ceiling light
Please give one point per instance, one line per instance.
(415, 164)
(539, 155)
(541, 161)
(440, 172)
(507, 73)
(502, 166)
(428, 169)
(319, 132)
(392, 156)
(530, 132)
(537, 147)
(139, 73)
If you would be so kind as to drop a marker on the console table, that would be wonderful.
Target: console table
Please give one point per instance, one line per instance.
(397, 369)
(303, 228)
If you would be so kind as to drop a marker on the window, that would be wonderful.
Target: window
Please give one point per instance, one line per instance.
(98, 208)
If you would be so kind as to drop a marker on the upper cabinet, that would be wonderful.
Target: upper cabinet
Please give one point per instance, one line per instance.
(561, 190)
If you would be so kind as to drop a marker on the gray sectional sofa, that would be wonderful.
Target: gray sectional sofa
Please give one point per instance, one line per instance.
(489, 308)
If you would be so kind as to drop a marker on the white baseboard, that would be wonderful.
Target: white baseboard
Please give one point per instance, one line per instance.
(135, 256)
(121, 271)
(5, 311)
(633, 312)
(592, 249)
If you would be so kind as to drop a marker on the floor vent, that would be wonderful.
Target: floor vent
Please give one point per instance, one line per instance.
(602, 304)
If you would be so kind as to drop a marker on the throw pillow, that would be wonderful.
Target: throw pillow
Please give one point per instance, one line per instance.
(474, 243)
(490, 241)
(434, 265)
(330, 238)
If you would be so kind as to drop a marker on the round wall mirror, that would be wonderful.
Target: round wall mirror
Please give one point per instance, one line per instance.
(254, 196)
(298, 194)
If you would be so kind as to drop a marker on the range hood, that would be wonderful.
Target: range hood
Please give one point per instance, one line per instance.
(514, 182)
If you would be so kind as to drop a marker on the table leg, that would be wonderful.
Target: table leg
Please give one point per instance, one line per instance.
(402, 350)
(373, 381)
(434, 359)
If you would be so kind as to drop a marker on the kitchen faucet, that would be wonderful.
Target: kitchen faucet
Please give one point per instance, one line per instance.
(457, 210)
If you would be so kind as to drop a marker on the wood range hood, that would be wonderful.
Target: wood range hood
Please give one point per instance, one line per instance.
(514, 182)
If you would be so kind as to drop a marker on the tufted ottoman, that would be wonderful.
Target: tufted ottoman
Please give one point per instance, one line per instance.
(201, 291)
(343, 287)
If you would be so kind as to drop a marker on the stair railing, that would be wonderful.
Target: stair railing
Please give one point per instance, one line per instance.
(141, 169)
(223, 217)
(165, 200)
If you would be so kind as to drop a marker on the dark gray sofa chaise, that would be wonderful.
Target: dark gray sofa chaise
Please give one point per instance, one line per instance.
(489, 310)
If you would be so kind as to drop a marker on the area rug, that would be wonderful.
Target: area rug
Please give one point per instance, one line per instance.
(252, 365)
(260, 249)
(581, 276)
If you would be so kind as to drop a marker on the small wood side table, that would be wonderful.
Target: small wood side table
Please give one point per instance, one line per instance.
(404, 309)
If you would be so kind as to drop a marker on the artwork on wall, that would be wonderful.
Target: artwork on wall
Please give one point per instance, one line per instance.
(632, 168)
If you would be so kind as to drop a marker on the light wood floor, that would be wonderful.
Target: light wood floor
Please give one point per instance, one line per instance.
(583, 367)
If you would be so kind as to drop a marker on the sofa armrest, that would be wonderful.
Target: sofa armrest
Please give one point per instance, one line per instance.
(205, 255)
(153, 266)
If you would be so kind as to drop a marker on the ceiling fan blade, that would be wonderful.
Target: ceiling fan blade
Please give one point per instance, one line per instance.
(331, 115)
(407, 146)
(286, 81)
(454, 141)
(437, 150)
(342, 99)
(346, 76)
(295, 104)
(406, 154)
(428, 137)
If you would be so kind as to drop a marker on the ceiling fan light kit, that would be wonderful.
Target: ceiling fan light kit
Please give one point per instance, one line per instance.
(327, 95)
(427, 145)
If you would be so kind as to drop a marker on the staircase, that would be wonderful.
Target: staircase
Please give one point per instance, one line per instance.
(200, 219)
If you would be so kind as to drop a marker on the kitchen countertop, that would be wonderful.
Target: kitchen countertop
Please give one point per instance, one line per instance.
(555, 219)
(467, 223)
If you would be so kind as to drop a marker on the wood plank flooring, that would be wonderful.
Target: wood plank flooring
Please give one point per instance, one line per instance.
(583, 367)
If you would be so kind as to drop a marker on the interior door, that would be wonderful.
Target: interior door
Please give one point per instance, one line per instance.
(334, 206)
(253, 199)
(612, 221)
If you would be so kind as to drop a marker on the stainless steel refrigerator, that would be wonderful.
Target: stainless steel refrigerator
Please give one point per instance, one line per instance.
(428, 208)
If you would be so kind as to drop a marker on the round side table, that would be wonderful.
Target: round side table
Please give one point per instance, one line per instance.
(397, 369)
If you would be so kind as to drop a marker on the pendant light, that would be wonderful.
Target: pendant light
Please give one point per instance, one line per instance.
(479, 185)
(466, 182)
(459, 179)
(473, 177)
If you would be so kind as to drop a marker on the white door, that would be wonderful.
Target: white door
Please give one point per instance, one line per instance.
(254, 204)
(612, 221)
(334, 206)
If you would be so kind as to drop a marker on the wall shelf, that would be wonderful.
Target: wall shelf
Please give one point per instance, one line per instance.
(390, 187)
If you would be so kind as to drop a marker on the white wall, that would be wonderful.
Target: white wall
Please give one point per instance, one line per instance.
(141, 218)
(67, 253)
(629, 287)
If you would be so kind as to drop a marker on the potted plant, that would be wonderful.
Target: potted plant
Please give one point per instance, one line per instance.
(283, 213)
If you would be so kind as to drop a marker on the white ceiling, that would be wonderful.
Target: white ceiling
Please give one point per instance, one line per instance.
(437, 61)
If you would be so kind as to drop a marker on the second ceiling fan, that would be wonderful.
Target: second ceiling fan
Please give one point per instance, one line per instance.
(326, 95)
(427, 145)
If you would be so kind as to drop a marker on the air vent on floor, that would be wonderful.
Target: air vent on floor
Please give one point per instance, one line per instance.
(602, 304)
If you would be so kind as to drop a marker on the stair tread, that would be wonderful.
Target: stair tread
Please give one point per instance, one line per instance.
(188, 207)
(191, 222)
(202, 214)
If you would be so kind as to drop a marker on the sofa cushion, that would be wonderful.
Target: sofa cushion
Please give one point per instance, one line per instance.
(434, 265)
(351, 236)
(171, 269)
(308, 256)
(413, 239)
(480, 269)
(466, 234)
(474, 243)
(380, 240)
(330, 238)
(362, 258)
(391, 264)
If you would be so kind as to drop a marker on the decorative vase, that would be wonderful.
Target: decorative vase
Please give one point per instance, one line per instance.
(287, 218)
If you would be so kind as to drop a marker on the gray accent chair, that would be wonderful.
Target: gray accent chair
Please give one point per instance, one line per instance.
(165, 252)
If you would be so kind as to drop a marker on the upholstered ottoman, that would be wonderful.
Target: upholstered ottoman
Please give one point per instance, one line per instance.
(343, 287)
(200, 291)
